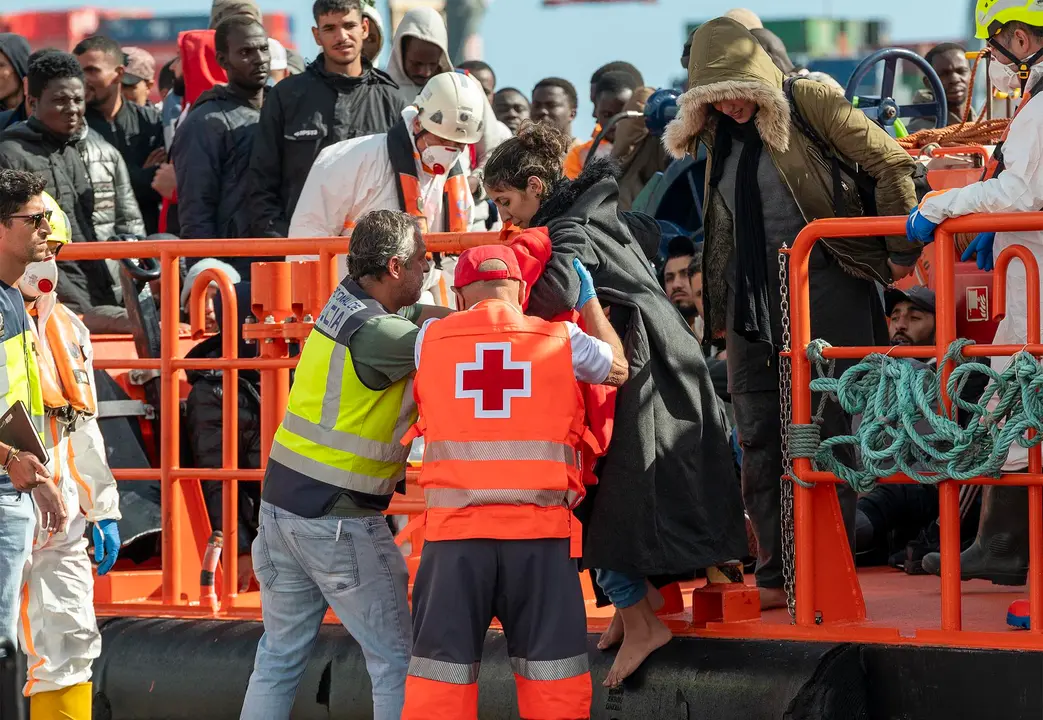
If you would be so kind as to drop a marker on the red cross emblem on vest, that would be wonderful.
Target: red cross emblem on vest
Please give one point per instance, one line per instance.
(493, 380)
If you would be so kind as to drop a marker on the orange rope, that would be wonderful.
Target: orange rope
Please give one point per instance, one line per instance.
(987, 132)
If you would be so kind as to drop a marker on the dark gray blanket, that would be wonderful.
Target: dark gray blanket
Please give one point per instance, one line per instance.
(668, 501)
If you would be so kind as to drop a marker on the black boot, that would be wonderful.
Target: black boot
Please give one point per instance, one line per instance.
(1001, 551)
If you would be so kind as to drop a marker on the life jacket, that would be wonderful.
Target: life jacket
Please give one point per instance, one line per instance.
(64, 377)
(502, 416)
(996, 164)
(404, 162)
(533, 249)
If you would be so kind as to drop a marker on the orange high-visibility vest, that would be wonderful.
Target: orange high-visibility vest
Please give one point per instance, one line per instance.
(503, 420)
(63, 365)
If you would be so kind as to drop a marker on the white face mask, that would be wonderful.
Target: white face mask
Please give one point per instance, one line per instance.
(440, 158)
(39, 279)
(1004, 77)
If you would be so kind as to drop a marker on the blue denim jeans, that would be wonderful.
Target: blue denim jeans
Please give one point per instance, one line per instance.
(304, 566)
(623, 590)
(17, 521)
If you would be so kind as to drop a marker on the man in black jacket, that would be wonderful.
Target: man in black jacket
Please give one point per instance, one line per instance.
(340, 96)
(211, 151)
(136, 131)
(48, 143)
(14, 64)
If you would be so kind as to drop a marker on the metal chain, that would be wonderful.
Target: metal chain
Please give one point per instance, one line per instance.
(786, 417)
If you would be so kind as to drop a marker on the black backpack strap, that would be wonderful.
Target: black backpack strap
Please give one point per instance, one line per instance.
(864, 182)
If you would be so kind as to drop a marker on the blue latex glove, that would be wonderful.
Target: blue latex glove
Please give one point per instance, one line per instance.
(106, 544)
(586, 284)
(919, 228)
(981, 247)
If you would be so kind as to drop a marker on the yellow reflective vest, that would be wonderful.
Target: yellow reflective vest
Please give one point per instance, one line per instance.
(338, 432)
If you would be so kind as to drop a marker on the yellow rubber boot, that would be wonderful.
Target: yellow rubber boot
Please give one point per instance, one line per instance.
(71, 703)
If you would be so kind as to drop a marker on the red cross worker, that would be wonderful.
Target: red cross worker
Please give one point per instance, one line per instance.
(502, 414)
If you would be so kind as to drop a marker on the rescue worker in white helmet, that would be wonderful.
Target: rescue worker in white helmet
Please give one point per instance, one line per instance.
(58, 630)
(1012, 182)
(415, 167)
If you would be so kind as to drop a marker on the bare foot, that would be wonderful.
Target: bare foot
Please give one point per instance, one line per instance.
(772, 598)
(614, 635)
(644, 633)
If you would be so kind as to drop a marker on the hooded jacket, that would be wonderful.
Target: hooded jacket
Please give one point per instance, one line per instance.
(16, 49)
(667, 501)
(727, 62)
(302, 115)
(211, 156)
(204, 418)
(424, 23)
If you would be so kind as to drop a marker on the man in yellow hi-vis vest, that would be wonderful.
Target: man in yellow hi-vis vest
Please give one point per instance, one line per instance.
(24, 227)
(335, 463)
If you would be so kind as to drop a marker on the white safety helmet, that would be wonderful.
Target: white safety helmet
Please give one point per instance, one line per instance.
(452, 106)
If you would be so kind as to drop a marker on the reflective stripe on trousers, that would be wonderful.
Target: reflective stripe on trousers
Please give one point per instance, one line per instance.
(444, 672)
(547, 670)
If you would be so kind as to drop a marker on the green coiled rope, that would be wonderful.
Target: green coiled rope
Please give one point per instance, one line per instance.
(894, 395)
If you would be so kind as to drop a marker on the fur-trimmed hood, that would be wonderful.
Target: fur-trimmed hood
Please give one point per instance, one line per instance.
(728, 63)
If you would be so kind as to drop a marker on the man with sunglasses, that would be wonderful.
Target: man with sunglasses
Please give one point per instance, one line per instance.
(24, 228)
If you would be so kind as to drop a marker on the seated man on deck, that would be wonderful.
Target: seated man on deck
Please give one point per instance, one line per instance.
(900, 522)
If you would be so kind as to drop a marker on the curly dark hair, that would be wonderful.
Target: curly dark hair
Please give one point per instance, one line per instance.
(562, 84)
(17, 187)
(538, 150)
(52, 66)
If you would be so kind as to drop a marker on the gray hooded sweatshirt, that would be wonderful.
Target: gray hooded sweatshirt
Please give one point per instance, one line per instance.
(426, 23)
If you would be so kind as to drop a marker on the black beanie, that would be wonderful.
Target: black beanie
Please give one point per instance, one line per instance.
(16, 48)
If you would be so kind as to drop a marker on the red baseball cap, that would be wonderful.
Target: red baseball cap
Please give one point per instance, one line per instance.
(467, 266)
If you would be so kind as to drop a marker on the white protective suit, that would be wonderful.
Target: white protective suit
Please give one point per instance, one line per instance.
(57, 628)
(353, 177)
(425, 23)
(1019, 188)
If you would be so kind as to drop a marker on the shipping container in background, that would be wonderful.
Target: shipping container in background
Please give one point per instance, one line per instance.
(63, 29)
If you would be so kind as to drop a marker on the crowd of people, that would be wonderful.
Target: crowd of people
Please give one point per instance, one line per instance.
(636, 386)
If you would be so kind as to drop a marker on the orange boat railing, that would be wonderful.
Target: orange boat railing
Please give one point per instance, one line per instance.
(827, 588)
(286, 297)
(283, 310)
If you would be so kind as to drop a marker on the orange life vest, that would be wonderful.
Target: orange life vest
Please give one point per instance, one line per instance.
(63, 365)
(503, 420)
(454, 195)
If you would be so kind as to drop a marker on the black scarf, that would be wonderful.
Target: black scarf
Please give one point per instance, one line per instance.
(752, 313)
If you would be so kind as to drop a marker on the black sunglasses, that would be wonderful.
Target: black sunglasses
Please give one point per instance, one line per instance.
(36, 218)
